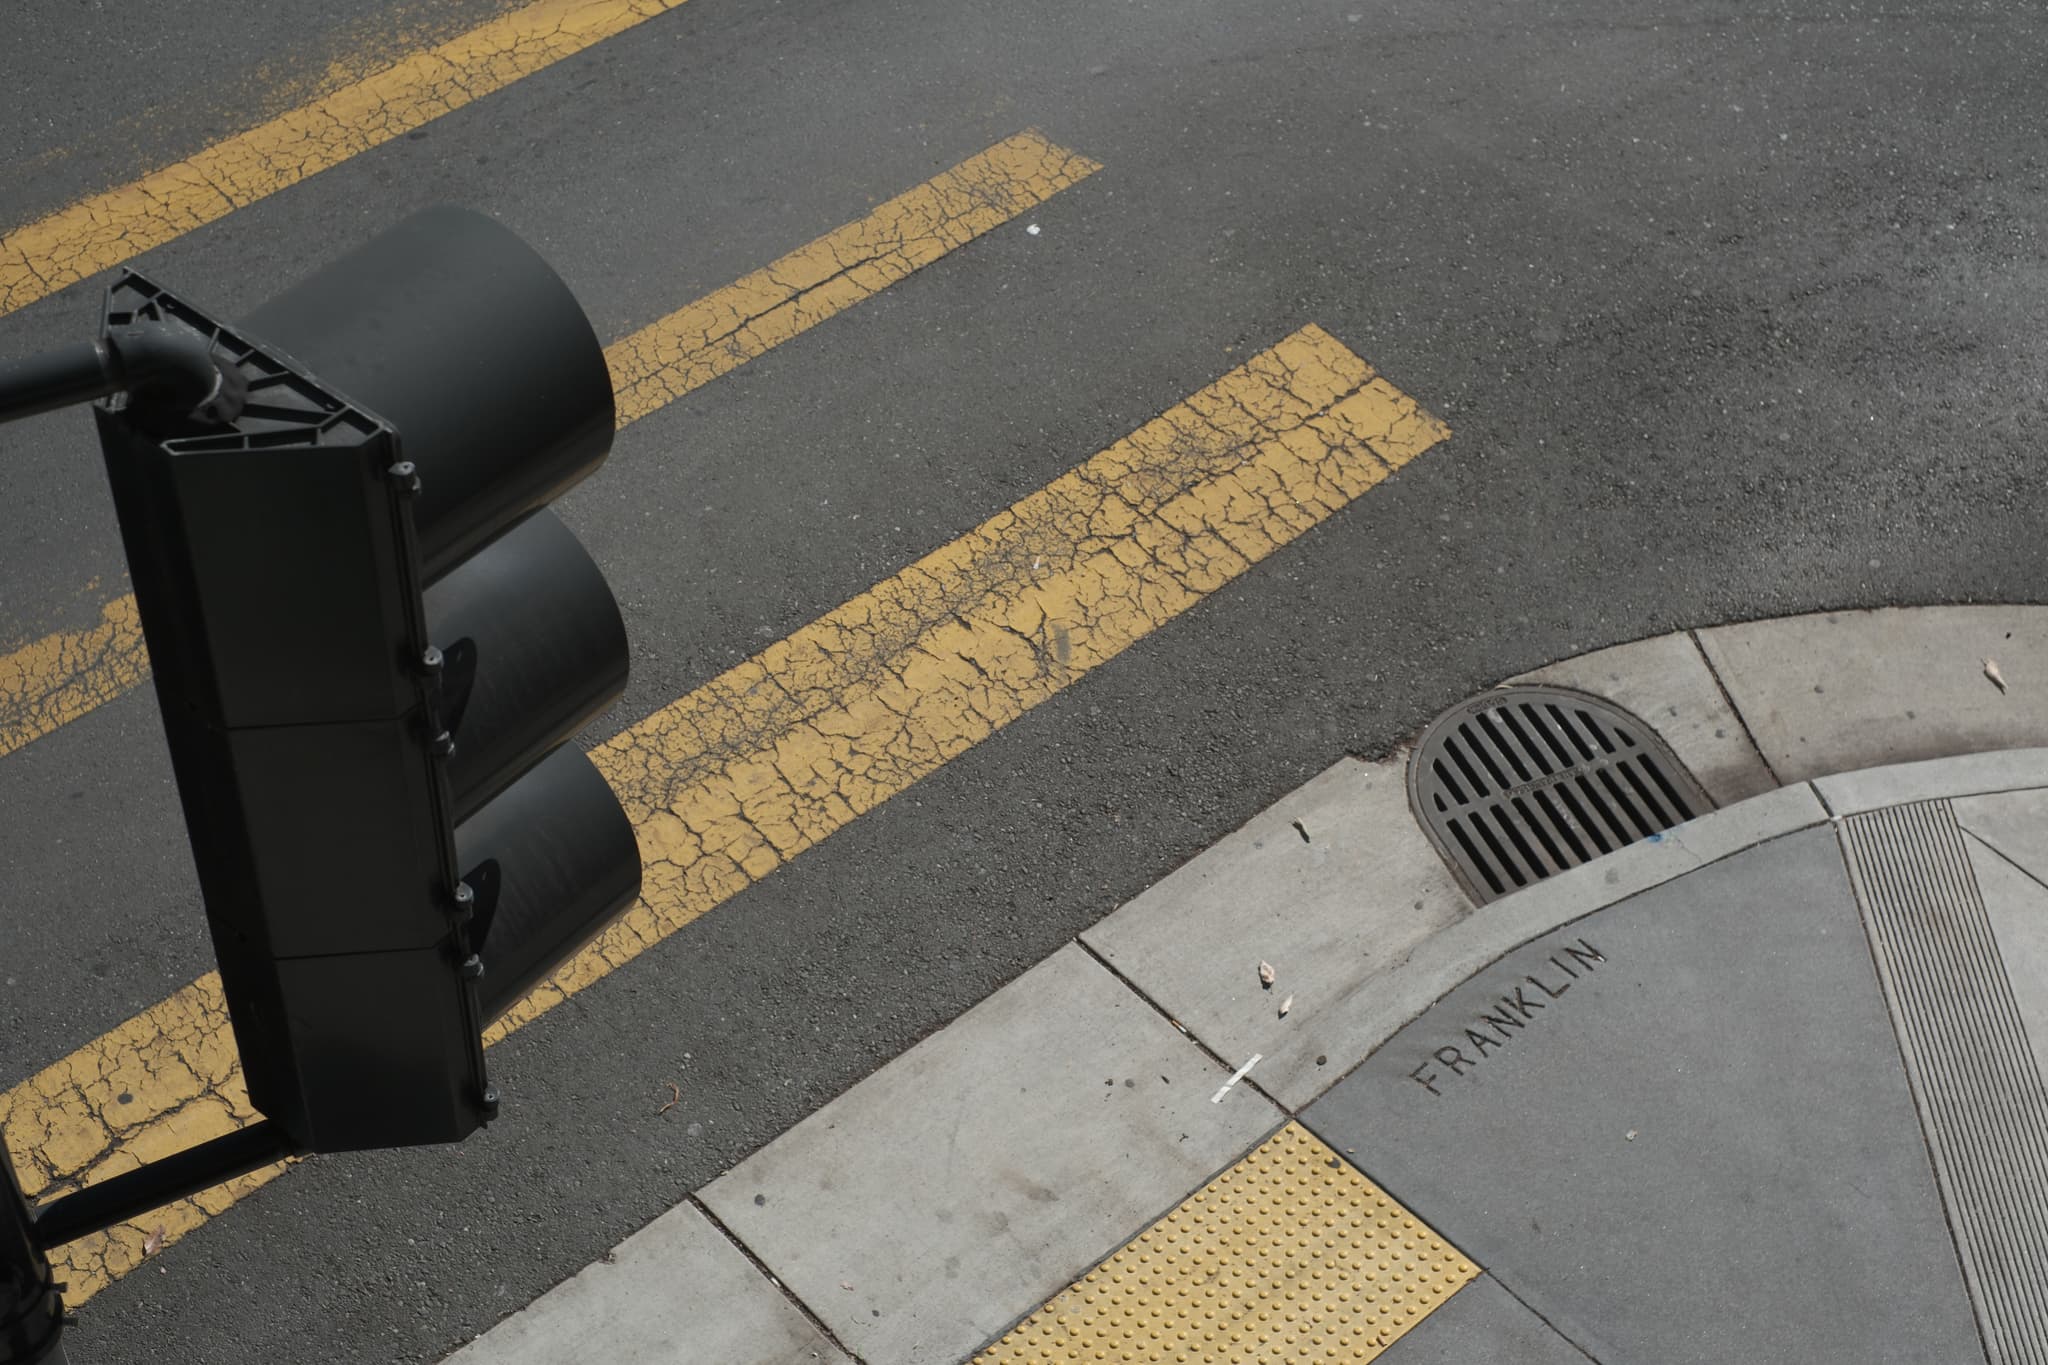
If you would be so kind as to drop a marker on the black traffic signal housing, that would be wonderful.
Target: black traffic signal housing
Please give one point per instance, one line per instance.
(371, 641)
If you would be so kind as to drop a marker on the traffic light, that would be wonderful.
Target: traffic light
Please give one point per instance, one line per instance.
(371, 643)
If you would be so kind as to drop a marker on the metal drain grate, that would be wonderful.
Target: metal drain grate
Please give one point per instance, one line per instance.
(1524, 782)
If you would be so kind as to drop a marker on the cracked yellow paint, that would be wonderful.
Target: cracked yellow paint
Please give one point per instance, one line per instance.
(53, 681)
(754, 767)
(694, 345)
(731, 781)
(161, 1082)
(115, 226)
(1290, 1257)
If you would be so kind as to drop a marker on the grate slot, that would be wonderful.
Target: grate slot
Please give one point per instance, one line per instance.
(1537, 871)
(1599, 732)
(1678, 802)
(1500, 855)
(1571, 732)
(1540, 828)
(1592, 827)
(1472, 777)
(1443, 775)
(1475, 859)
(1565, 826)
(1649, 798)
(1590, 789)
(1479, 751)
(1529, 746)
(1541, 726)
(1643, 827)
(1511, 752)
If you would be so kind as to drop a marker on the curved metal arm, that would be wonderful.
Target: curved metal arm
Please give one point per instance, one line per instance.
(155, 364)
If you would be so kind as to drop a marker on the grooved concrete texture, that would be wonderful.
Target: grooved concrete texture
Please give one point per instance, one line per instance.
(1666, 683)
(1982, 1098)
(674, 1293)
(1703, 1144)
(937, 1202)
(1838, 691)
(1333, 885)
(1483, 1322)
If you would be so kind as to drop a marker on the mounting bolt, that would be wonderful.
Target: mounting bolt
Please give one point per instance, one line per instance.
(406, 475)
(472, 968)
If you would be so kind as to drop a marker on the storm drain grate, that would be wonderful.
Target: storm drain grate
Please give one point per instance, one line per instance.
(1524, 782)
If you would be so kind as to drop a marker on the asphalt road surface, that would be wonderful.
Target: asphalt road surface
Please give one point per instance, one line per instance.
(1732, 313)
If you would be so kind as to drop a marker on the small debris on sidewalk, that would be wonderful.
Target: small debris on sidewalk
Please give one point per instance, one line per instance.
(1997, 678)
(1235, 1077)
(1265, 975)
(846, 1284)
(675, 1098)
(1630, 1135)
(1286, 1005)
(153, 1243)
(1032, 229)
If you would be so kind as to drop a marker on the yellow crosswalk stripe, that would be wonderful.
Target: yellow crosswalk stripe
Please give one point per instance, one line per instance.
(120, 224)
(695, 345)
(52, 681)
(730, 782)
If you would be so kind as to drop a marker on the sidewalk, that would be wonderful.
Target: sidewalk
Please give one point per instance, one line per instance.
(1768, 1086)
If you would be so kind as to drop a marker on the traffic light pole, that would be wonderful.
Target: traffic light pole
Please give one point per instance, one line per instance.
(31, 1309)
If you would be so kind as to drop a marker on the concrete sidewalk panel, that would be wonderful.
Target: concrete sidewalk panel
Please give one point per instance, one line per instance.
(2017, 905)
(1839, 691)
(1694, 1131)
(1371, 1013)
(1332, 884)
(936, 1203)
(1934, 779)
(674, 1293)
(1666, 683)
(1482, 1322)
(2014, 823)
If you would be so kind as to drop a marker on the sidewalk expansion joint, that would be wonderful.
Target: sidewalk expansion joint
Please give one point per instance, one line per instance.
(1981, 842)
(1700, 647)
(1542, 1317)
(1835, 817)
(695, 1200)
(1245, 1081)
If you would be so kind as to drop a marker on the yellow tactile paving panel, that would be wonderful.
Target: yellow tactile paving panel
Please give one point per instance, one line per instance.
(1290, 1257)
